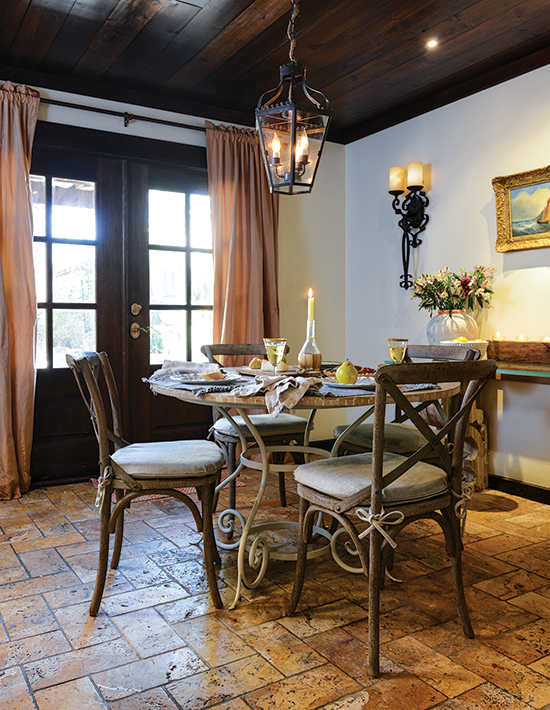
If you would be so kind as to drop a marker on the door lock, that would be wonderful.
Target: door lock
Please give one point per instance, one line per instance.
(136, 330)
(135, 308)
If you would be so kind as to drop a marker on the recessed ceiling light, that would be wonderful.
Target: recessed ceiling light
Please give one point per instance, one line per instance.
(432, 43)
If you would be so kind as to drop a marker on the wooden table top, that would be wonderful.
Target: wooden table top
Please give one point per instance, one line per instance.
(446, 390)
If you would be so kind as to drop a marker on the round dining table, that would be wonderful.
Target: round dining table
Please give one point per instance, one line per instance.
(256, 457)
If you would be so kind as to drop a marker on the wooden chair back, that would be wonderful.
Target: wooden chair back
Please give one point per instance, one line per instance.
(90, 369)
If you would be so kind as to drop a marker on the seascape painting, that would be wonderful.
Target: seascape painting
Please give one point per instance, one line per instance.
(530, 207)
(522, 204)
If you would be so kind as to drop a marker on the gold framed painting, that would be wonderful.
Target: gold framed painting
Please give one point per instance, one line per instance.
(523, 210)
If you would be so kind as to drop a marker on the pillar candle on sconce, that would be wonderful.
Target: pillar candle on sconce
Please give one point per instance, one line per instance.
(413, 218)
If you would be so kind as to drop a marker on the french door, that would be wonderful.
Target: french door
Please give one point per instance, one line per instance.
(124, 264)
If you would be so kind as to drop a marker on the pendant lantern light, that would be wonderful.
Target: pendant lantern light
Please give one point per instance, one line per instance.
(292, 121)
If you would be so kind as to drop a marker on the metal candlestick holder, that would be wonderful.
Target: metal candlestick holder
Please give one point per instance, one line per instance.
(310, 356)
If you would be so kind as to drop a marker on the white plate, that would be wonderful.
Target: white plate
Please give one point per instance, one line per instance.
(362, 383)
(186, 379)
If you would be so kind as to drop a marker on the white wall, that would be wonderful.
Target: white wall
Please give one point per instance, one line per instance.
(501, 131)
(312, 255)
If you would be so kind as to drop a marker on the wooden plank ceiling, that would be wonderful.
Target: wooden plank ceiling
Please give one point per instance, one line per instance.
(214, 58)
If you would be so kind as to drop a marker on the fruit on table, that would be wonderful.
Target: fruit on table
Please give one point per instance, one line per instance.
(346, 374)
(461, 339)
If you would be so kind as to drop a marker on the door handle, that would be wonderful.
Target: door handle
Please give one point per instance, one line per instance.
(136, 330)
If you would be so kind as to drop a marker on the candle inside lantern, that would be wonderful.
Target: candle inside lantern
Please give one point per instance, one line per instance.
(276, 148)
(397, 179)
(302, 149)
(546, 339)
(498, 336)
(522, 339)
(310, 305)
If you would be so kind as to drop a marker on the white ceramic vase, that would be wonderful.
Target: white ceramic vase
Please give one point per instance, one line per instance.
(448, 327)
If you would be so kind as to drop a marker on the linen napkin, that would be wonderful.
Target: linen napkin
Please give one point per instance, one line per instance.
(280, 390)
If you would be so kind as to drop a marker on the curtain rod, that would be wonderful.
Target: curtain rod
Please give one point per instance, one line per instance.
(128, 117)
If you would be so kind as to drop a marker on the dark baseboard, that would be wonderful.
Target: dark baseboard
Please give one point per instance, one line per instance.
(520, 489)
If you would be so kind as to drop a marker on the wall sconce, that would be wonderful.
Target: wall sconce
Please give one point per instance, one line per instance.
(411, 211)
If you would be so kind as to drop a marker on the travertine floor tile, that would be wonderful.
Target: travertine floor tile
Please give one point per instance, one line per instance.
(156, 699)
(147, 632)
(79, 663)
(14, 653)
(148, 673)
(486, 696)
(14, 690)
(27, 617)
(518, 680)
(403, 692)
(84, 630)
(141, 598)
(437, 670)
(323, 618)
(79, 693)
(512, 584)
(213, 641)
(307, 690)
(164, 646)
(281, 648)
(204, 690)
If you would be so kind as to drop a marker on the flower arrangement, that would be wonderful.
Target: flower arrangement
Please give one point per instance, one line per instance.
(448, 291)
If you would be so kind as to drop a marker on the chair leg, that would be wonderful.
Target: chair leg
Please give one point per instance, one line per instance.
(119, 534)
(458, 581)
(279, 457)
(304, 535)
(103, 560)
(374, 604)
(206, 494)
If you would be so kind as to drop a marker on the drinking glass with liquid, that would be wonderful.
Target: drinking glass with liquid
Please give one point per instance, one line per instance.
(275, 349)
(397, 348)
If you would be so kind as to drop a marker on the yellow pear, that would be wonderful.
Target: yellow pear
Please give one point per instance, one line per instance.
(346, 374)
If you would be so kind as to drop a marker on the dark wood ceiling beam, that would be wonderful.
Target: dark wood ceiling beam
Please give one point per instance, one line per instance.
(243, 29)
(406, 110)
(120, 28)
(81, 26)
(129, 96)
(168, 22)
(206, 25)
(37, 31)
(264, 55)
(13, 12)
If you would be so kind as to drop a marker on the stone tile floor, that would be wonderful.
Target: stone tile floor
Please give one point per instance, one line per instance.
(159, 644)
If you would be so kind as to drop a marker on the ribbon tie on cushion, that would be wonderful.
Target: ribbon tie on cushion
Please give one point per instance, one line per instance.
(377, 520)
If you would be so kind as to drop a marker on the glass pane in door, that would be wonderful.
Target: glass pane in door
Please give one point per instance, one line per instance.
(168, 336)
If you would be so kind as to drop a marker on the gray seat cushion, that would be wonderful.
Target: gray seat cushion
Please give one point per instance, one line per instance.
(345, 475)
(170, 459)
(398, 438)
(266, 424)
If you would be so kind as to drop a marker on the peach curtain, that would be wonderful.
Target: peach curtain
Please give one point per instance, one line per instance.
(245, 220)
(18, 116)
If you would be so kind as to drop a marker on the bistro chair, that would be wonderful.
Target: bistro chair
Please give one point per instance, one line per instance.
(275, 431)
(388, 491)
(399, 437)
(133, 470)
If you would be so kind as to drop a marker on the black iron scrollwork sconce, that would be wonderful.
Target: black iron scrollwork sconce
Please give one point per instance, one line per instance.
(413, 218)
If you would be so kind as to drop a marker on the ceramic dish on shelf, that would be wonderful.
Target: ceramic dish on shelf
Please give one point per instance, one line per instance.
(480, 345)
